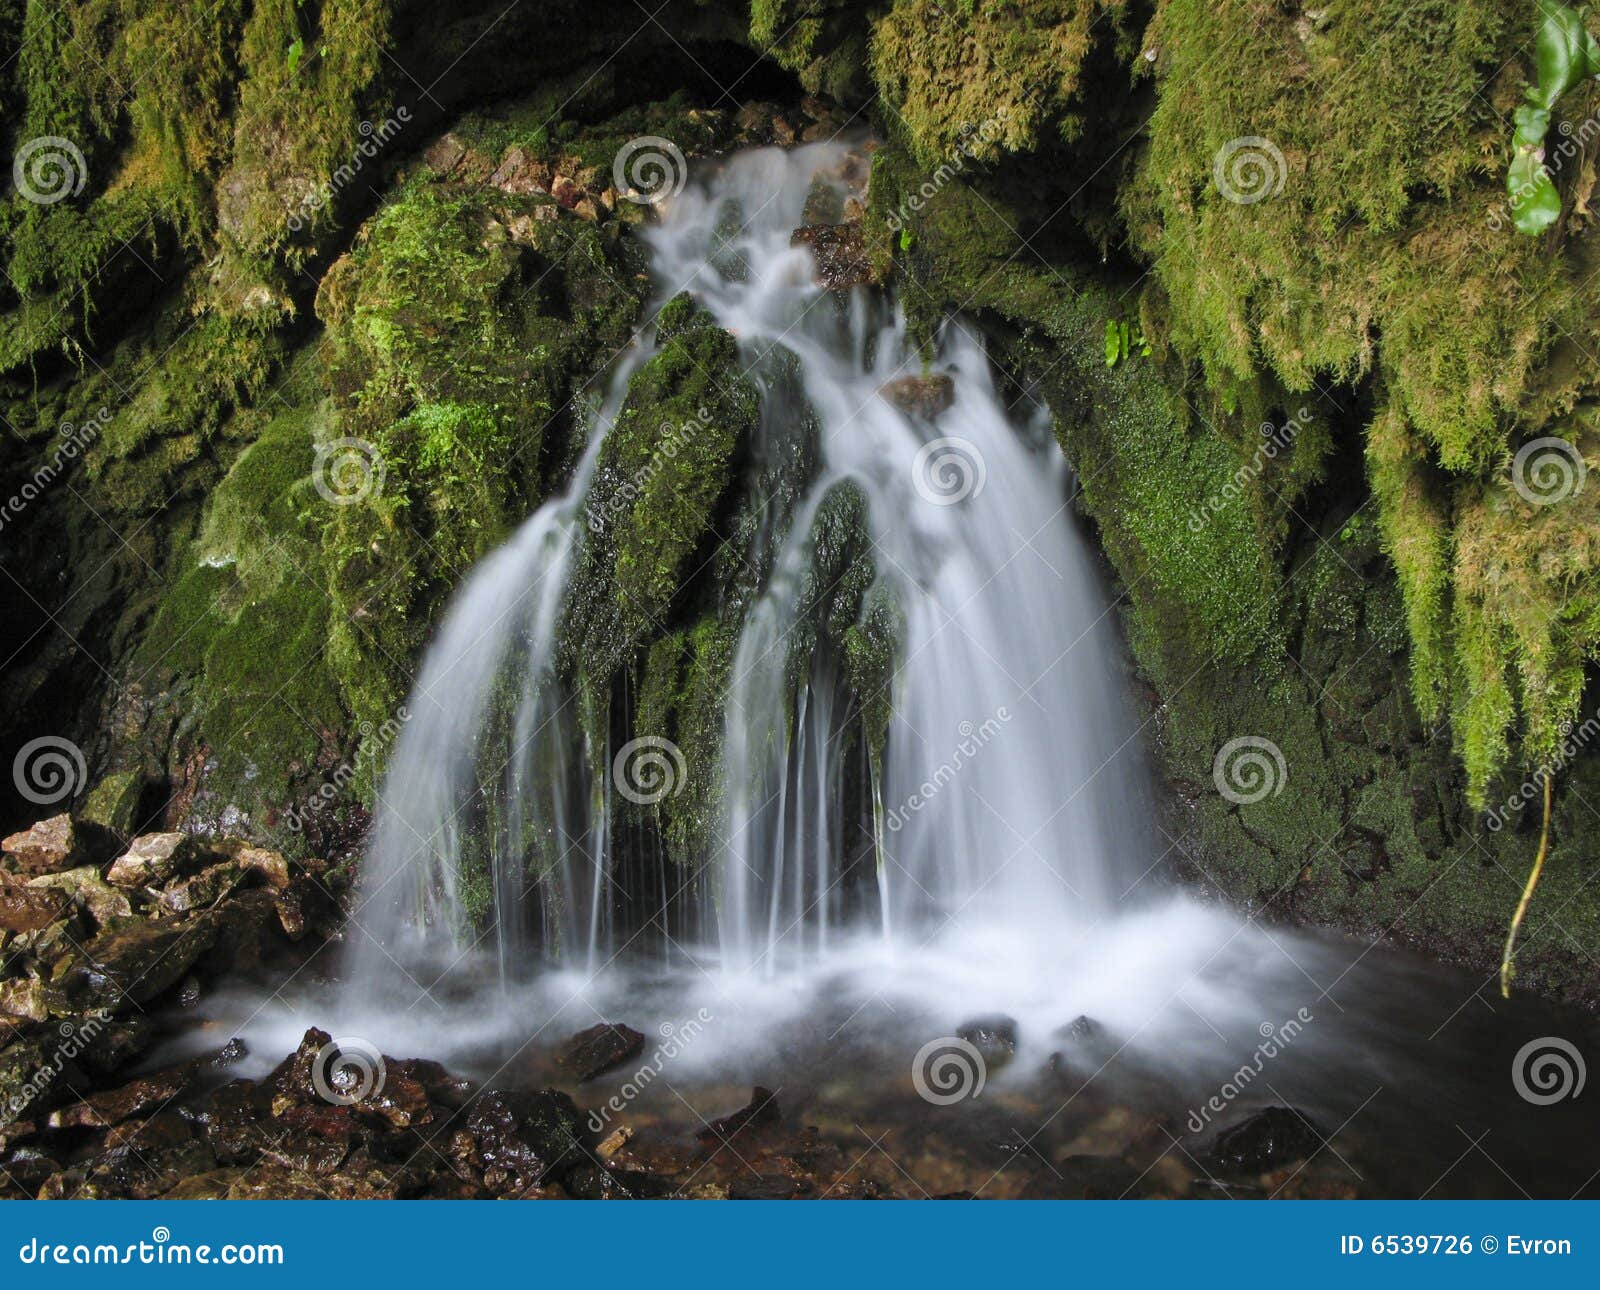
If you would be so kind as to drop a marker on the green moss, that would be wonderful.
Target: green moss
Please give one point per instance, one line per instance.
(1002, 77)
(664, 467)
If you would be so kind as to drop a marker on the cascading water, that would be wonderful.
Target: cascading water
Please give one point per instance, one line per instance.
(1007, 784)
(897, 850)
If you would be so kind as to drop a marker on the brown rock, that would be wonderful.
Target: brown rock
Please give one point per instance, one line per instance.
(762, 1110)
(153, 859)
(24, 909)
(839, 251)
(925, 396)
(205, 889)
(444, 154)
(58, 843)
(521, 174)
(102, 1110)
(85, 887)
(600, 1048)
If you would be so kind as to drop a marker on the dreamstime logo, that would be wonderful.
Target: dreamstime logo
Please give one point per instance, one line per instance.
(75, 1037)
(1548, 1070)
(649, 770)
(1549, 470)
(1249, 769)
(948, 1070)
(74, 441)
(373, 140)
(1249, 169)
(48, 169)
(974, 139)
(1274, 1039)
(48, 769)
(347, 471)
(649, 170)
(1574, 738)
(973, 740)
(948, 471)
(1274, 440)
(347, 1071)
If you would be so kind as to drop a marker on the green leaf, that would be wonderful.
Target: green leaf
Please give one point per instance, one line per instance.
(1113, 343)
(295, 52)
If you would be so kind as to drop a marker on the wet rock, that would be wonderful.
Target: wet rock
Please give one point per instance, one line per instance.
(290, 907)
(761, 1110)
(840, 253)
(247, 928)
(36, 1074)
(924, 396)
(162, 1130)
(994, 1037)
(24, 998)
(268, 866)
(154, 859)
(27, 909)
(215, 1184)
(102, 1110)
(59, 843)
(601, 1048)
(595, 1182)
(276, 1183)
(115, 1044)
(518, 1140)
(205, 889)
(90, 892)
(129, 964)
(765, 1187)
(24, 1172)
(1081, 1028)
(1267, 1139)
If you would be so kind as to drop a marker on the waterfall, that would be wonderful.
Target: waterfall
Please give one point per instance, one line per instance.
(1005, 787)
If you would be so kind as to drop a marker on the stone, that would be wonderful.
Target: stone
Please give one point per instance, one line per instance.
(1267, 1139)
(24, 997)
(519, 1139)
(215, 1184)
(521, 174)
(839, 252)
(924, 396)
(25, 909)
(444, 154)
(113, 803)
(153, 859)
(761, 1110)
(601, 1048)
(37, 1074)
(102, 1110)
(129, 964)
(58, 843)
(86, 888)
(205, 889)
(994, 1037)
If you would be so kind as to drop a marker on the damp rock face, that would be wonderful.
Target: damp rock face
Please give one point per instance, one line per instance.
(994, 1037)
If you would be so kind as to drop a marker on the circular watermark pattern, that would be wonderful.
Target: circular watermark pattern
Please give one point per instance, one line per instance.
(347, 1071)
(649, 170)
(948, 1070)
(1249, 169)
(347, 471)
(160, 1235)
(1548, 1070)
(1249, 769)
(948, 471)
(49, 769)
(649, 770)
(48, 169)
(1549, 470)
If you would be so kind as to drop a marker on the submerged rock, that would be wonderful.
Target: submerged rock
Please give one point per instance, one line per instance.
(762, 1110)
(601, 1048)
(840, 252)
(994, 1037)
(1268, 1139)
(924, 396)
(519, 1139)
